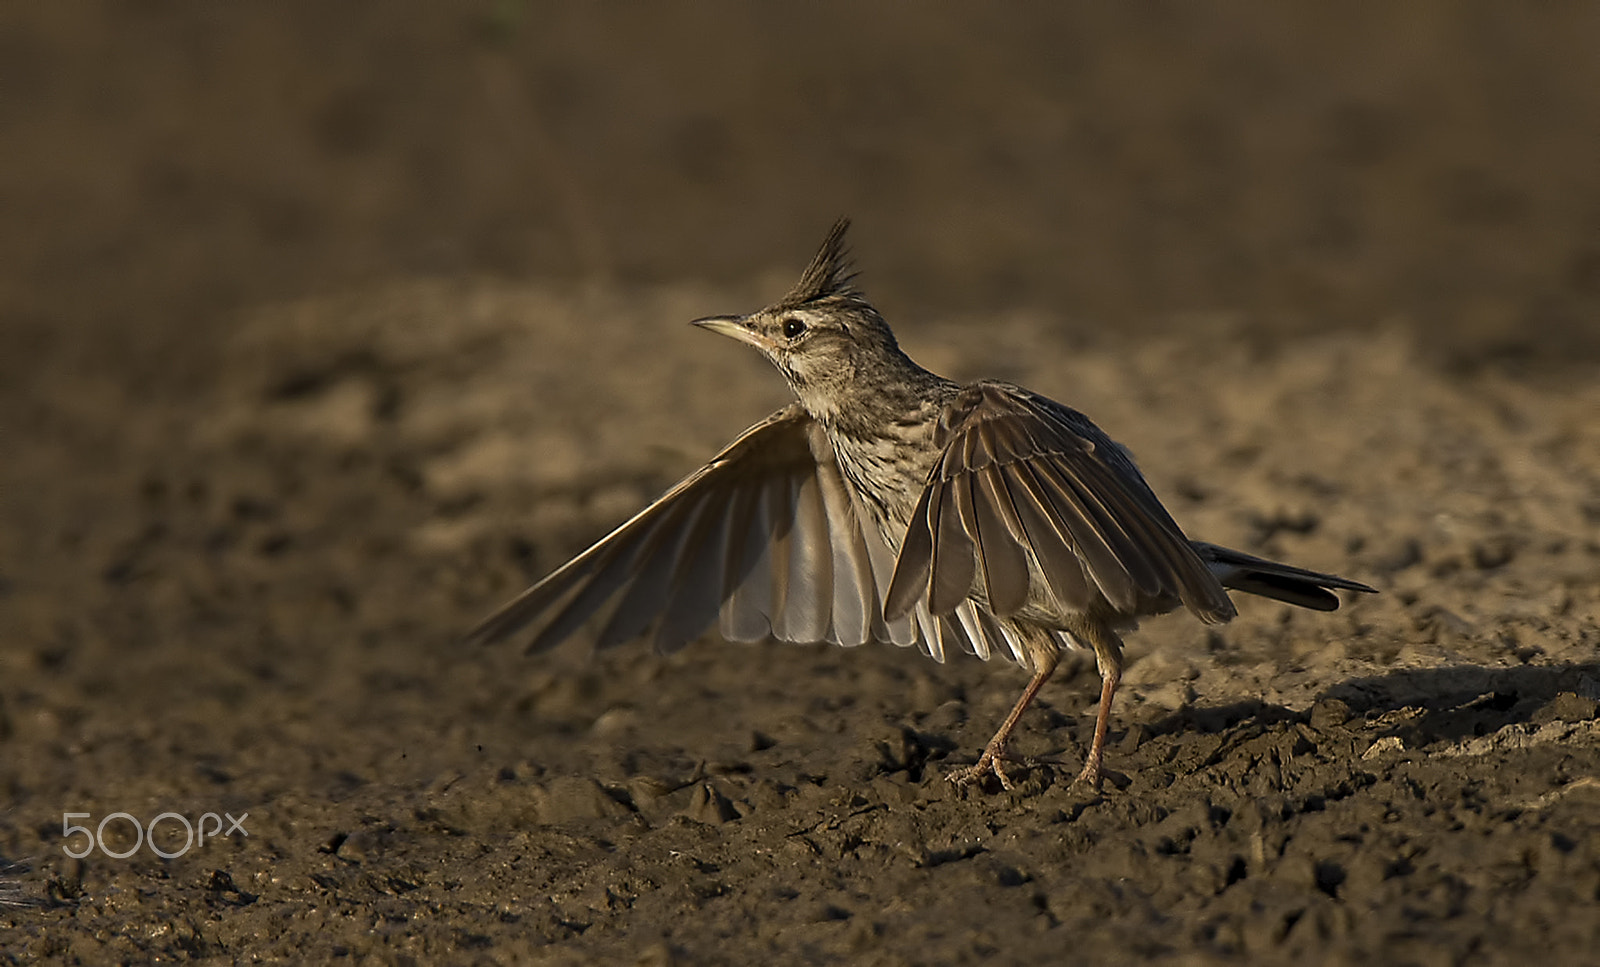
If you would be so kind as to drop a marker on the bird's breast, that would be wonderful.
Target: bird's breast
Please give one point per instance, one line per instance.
(887, 471)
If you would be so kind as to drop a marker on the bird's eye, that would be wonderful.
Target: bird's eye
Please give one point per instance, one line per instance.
(792, 328)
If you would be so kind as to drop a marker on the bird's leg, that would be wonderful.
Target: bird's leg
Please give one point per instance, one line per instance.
(1108, 655)
(995, 752)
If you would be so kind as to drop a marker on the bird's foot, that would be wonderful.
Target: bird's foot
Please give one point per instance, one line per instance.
(1088, 778)
(990, 763)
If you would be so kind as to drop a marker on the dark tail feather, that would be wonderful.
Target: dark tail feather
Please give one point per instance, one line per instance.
(1281, 582)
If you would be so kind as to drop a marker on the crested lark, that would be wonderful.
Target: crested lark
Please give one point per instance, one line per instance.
(891, 504)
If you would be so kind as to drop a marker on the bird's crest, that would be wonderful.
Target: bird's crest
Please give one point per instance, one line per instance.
(830, 272)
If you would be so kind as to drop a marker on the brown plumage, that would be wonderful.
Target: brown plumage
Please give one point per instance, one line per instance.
(891, 504)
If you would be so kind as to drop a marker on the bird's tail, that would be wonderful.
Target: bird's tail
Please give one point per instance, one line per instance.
(1282, 582)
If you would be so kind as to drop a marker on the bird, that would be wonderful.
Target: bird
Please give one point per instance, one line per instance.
(888, 503)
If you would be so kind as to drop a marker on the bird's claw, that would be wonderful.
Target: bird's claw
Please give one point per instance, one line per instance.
(1090, 776)
(990, 763)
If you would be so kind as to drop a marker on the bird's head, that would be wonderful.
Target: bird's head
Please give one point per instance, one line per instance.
(824, 337)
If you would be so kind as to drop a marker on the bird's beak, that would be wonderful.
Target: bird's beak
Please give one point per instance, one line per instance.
(735, 327)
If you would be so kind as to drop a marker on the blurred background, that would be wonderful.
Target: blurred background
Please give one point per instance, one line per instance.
(1122, 166)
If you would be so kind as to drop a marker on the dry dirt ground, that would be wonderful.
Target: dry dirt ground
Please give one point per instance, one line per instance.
(260, 474)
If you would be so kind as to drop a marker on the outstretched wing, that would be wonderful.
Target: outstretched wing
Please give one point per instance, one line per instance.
(764, 539)
(1029, 491)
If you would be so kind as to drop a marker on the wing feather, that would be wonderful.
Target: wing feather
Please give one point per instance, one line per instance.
(747, 580)
(607, 574)
(808, 588)
(1052, 542)
(649, 590)
(777, 503)
(912, 566)
(1037, 503)
(952, 566)
(760, 537)
(978, 632)
(767, 541)
(696, 580)
(1099, 541)
(1003, 560)
(901, 626)
(928, 634)
(855, 596)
